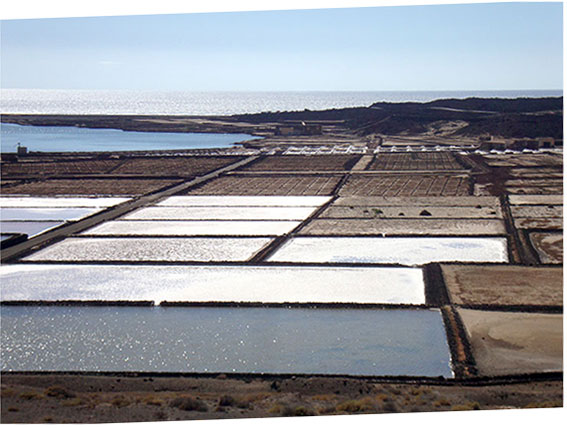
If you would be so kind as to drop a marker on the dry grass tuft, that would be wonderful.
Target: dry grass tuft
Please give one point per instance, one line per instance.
(357, 406)
(58, 392)
(470, 405)
(189, 404)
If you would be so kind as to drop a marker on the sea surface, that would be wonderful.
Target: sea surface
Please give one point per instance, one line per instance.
(72, 139)
(117, 102)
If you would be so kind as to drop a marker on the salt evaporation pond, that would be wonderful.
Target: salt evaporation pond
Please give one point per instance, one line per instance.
(382, 285)
(243, 340)
(42, 214)
(152, 249)
(74, 139)
(405, 251)
(194, 228)
(30, 228)
(34, 215)
(244, 201)
(221, 213)
(58, 202)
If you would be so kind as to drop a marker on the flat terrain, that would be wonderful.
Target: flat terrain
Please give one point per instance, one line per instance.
(89, 186)
(507, 342)
(406, 185)
(549, 246)
(405, 227)
(504, 285)
(265, 185)
(430, 161)
(95, 399)
(303, 163)
(482, 234)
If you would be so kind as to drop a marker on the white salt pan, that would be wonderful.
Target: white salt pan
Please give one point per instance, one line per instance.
(152, 249)
(194, 228)
(213, 284)
(405, 251)
(221, 213)
(259, 201)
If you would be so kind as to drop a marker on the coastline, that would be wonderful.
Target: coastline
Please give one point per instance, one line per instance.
(456, 118)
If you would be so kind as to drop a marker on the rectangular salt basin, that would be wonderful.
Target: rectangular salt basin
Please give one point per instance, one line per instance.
(241, 340)
(45, 214)
(245, 201)
(377, 285)
(534, 211)
(30, 228)
(151, 249)
(417, 201)
(194, 228)
(59, 202)
(404, 251)
(388, 227)
(420, 212)
(536, 199)
(221, 213)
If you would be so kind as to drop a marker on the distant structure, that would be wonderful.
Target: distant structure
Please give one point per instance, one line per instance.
(488, 143)
(299, 128)
(22, 150)
(487, 146)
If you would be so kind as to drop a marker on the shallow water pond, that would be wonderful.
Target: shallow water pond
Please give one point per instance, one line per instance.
(30, 228)
(58, 202)
(257, 340)
(45, 214)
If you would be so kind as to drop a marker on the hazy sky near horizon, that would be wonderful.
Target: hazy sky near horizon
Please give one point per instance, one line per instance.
(435, 47)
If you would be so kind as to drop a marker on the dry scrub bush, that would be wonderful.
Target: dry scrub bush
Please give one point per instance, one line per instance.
(188, 404)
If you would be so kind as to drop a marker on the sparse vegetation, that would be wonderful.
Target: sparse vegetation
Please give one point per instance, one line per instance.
(189, 404)
(470, 405)
(120, 401)
(297, 411)
(357, 406)
(58, 392)
(31, 395)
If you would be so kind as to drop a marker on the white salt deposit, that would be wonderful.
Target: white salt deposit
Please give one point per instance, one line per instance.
(256, 201)
(194, 228)
(405, 251)
(151, 249)
(221, 213)
(213, 284)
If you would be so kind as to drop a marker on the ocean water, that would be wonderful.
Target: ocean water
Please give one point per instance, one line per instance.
(116, 102)
(72, 139)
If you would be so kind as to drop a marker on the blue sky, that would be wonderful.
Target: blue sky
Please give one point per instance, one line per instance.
(435, 47)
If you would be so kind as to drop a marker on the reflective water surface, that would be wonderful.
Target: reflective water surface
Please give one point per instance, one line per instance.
(45, 214)
(259, 340)
(30, 228)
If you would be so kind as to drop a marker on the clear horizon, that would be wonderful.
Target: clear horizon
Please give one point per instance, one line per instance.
(463, 47)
